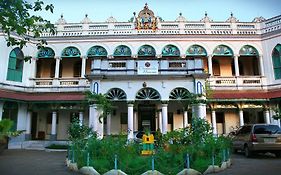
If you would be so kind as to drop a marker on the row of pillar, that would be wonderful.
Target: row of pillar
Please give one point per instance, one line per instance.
(83, 67)
(241, 119)
(236, 65)
(162, 123)
(132, 120)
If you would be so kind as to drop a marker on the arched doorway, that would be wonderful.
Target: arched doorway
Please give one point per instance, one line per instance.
(146, 99)
(222, 58)
(248, 60)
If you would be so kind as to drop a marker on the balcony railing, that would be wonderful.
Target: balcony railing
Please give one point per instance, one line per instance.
(62, 82)
(241, 82)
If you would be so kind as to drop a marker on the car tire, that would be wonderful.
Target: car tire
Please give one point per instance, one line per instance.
(248, 153)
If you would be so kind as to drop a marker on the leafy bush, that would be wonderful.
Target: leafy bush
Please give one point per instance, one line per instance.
(170, 155)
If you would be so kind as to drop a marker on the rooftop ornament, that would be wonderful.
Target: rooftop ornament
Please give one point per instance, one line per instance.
(206, 18)
(145, 19)
(61, 20)
(232, 19)
(86, 20)
(181, 18)
(111, 19)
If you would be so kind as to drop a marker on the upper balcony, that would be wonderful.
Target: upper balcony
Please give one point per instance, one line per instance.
(154, 25)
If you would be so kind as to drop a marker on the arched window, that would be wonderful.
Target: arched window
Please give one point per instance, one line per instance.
(179, 94)
(170, 50)
(222, 50)
(70, 52)
(196, 50)
(248, 50)
(15, 66)
(46, 53)
(122, 50)
(148, 94)
(276, 59)
(116, 94)
(146, 51)
(97, 51)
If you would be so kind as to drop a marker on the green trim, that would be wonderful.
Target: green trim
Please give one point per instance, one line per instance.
(222, 50)
(46, 53)
(71, 52)
(146, 51)
(122, 50)
(248, 50)
(170, 50)
(97, 51)
(196, 50)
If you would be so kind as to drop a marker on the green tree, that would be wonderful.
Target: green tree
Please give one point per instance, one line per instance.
(18, 20)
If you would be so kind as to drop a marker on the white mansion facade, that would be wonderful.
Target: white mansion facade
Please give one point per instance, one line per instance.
(147, 68)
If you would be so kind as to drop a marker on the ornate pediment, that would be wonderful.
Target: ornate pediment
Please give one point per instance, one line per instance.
(146, 19)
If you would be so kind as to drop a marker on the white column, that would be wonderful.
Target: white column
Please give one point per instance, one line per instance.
(33, 67)
(214, 122)
(83, 67)
(236, 65)
(108, 124)
(57, 70)
(130, 121)
(160, 121)
(93, 117)
(185, 119)
(261, 65)
(1, 109)
(28, 123)
(210, 65)
(135, 120)
(266, 116)
(199, 110)
(81, 116)
(100, 125)
(54, 125)
(241, 117)
(164, 118)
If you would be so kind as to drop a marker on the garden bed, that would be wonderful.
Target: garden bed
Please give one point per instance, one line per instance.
(193, 147)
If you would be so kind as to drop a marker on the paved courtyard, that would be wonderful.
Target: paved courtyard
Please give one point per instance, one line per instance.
(261, 164)
(31, 162)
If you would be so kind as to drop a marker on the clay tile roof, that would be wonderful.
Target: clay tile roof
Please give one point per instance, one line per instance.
(238, 94)
(42, 96)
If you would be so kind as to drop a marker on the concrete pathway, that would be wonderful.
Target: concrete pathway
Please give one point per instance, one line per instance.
(30, 162)
(261, 164)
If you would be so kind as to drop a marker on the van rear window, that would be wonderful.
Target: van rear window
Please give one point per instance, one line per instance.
(267, 129)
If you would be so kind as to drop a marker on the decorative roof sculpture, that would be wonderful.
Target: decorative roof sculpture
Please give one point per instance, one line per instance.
(111, 19)
(61, 20)
(232, 19)
(259, 19)
(86, 20)
(145, 19)
(181, 18)
(206, 18)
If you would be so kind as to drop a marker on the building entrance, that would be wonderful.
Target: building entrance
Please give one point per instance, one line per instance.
(146, 117)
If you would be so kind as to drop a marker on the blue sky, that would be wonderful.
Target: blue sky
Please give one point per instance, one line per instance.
(193, 10)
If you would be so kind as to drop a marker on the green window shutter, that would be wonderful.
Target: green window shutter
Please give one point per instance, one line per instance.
(12, 63)
(15, 66)
(277, 73)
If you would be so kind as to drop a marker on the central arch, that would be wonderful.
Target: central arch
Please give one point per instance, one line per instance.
(148, 94)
